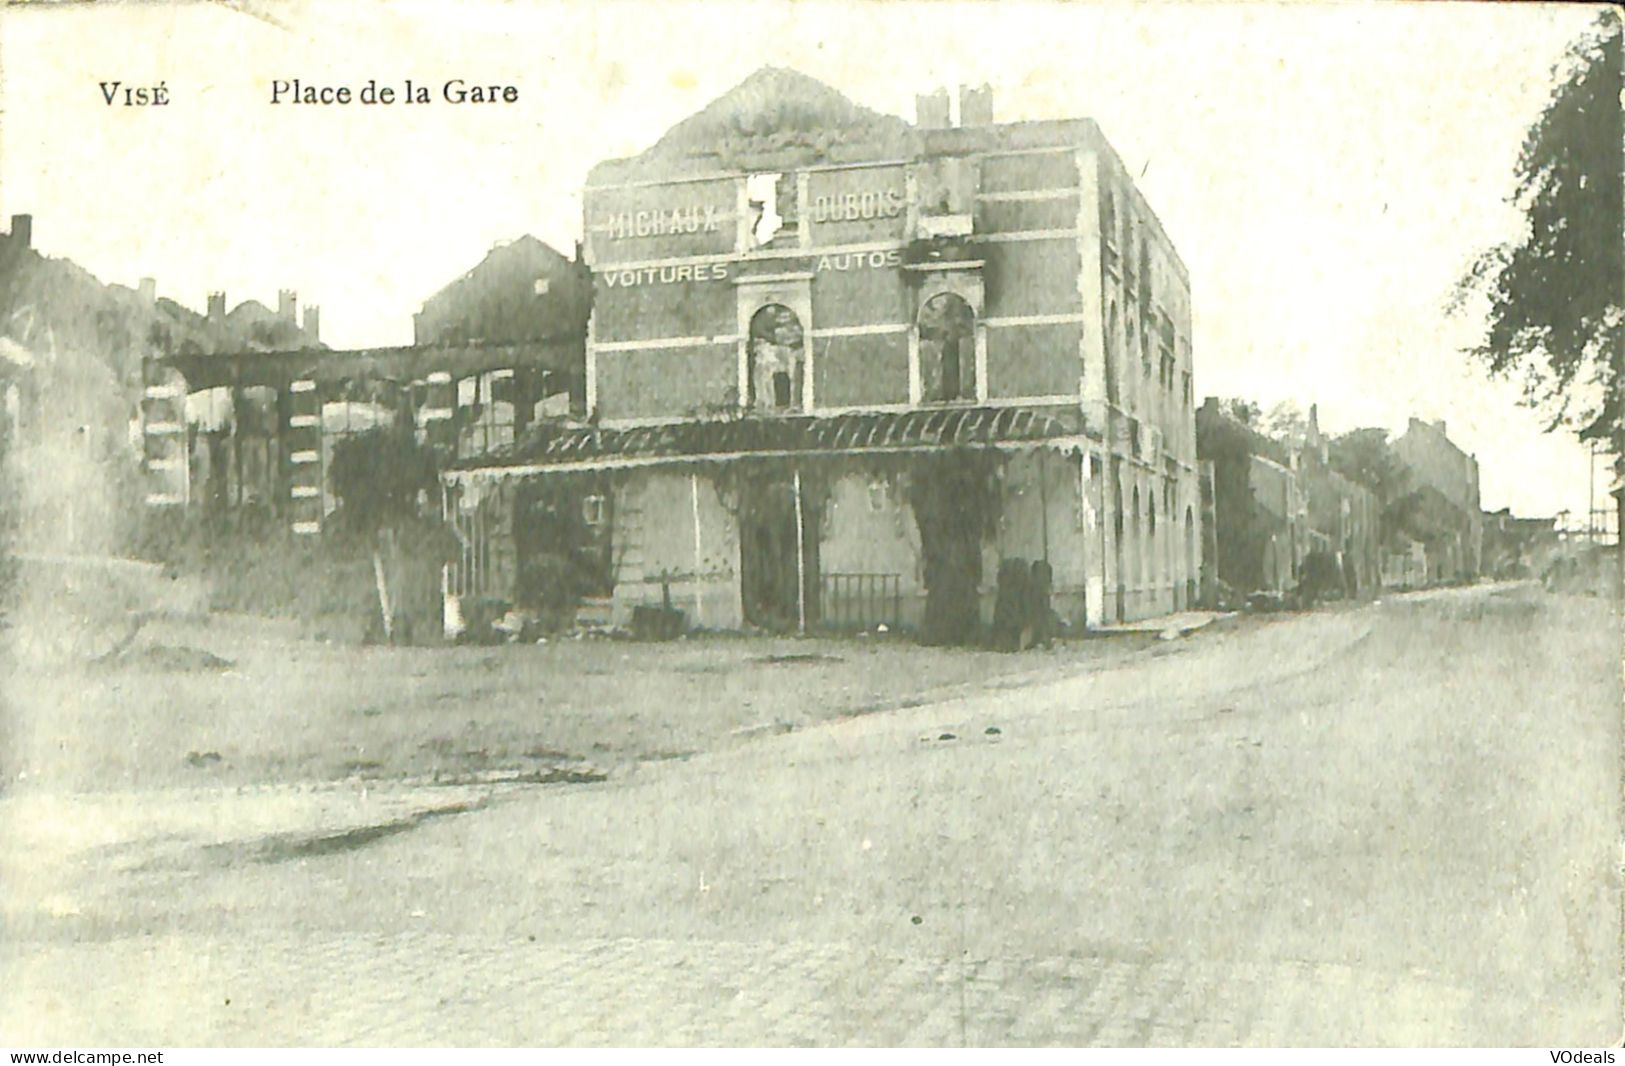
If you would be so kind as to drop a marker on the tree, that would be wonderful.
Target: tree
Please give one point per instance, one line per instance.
(1244, 411)
(1285, 421)
(1556, 316)
(1367, 457)
(377, 475)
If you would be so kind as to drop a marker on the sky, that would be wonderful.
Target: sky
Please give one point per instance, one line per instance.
(1326, 170)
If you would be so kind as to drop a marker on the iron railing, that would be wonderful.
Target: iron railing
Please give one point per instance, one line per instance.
(861, 601)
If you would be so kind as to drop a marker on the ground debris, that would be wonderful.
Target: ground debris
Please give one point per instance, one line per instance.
(164, 657)
(283, 847)
(800, 657)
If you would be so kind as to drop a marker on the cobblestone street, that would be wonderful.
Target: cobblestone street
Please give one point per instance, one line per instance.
(429, 989)
(1247, 836)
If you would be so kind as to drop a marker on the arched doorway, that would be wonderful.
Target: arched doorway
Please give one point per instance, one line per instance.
(1119, 549)
(1274, 565)
(947, 328)
(1153, 546)
(1112, 350)
(1137, 547)
(776, 360)
(1192, 564)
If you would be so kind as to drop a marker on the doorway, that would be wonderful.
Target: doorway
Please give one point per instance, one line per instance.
(776, 594)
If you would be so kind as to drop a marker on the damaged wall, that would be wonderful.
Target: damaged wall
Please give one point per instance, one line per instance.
(673, 526)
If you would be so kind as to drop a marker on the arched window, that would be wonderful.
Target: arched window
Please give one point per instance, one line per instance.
(1192, 562)
(1113, 347)
(1145, 278)
(1154, 561)
(776, 359)
(947, 349)
(1138, 533)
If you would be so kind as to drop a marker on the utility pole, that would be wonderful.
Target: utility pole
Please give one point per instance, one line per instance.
(1591, 494)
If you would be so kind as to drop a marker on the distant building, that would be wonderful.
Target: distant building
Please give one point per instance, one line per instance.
(71, 352)
(1276, 501)
(1345, 517)
(1261, 518)
(1517, 547)
(244, 409)
(1447, 480)
(523, 290)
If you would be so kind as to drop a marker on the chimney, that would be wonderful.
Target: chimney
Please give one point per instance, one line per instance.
(931, 110)
(1439, 425)
(976, 105)
(217, 307)
(22, 230)
(287, 306)
(313, 323)
(147, 289)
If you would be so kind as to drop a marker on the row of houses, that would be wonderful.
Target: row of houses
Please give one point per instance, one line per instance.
(811, 365)
(1398, 514)
(73, 353)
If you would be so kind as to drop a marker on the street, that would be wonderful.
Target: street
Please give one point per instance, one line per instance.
(1389, 823)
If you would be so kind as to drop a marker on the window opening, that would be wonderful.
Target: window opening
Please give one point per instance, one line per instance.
(947, 328)
(767, 220)
(775, 358)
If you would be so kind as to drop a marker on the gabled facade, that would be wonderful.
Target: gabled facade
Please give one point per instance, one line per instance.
(1437, 464)
(523, 290)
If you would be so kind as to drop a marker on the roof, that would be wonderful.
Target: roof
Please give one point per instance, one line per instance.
(552, 444)
(1220, 434)
(498, 301)
(779, 119)
(254, 327)
(773, 112)
(527, 251)
(413, 363)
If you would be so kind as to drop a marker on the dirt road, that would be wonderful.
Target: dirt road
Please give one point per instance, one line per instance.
(1395, 824)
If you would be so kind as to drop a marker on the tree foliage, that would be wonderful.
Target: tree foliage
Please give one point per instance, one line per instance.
(1244, 411)
(1366, 456)
(377, 475)
(1556, 321)
(1285, 421)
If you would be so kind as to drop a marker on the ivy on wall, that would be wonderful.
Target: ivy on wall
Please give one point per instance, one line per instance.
(955, 496)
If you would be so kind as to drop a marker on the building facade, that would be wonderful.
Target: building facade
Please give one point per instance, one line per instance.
(243, 410)
(848, 369)
(1517, 547)
(1276, 501)
(1345, 517)
(1260, 517)
(1446, 479)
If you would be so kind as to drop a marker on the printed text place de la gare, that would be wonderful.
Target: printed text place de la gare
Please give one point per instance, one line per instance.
(452, 91)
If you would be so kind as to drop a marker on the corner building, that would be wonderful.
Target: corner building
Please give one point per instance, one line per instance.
(844, 370)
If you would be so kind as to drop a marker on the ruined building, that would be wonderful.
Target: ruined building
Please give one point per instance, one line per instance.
(843, 369)
(1447, 479)
(243, 415)
(1279, 499)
